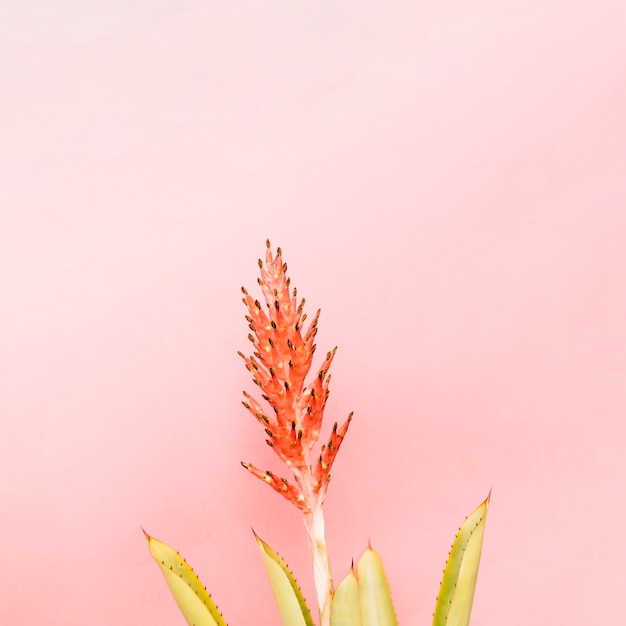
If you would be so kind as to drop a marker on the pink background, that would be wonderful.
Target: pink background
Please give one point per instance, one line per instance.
(447, 181)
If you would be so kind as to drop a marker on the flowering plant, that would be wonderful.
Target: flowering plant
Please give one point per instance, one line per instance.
(281, 360)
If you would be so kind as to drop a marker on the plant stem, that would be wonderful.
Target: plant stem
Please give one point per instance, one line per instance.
(314, 522)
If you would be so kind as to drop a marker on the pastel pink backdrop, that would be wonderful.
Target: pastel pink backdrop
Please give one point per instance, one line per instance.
(446, 180)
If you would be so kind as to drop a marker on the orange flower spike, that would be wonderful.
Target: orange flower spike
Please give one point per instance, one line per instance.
(280, 485)
(282, 359)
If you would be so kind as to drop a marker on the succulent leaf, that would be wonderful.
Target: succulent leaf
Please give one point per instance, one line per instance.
(192, 598)
(456, 593)
(374, 593)
(289, 599)
(345, 609)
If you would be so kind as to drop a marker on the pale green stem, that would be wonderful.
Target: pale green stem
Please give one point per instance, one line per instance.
(314, 522)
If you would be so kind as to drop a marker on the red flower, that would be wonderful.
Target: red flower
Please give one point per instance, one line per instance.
(283, 354)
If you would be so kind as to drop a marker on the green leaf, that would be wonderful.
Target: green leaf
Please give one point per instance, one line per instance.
(374, 594)
(456, 593)
(345, 609)
(190, 595)
(289, 599)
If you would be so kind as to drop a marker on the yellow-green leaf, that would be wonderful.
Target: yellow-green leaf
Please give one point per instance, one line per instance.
(456, 593)
(374, 593)
(289, 599)
(190, 595)
(345, 609)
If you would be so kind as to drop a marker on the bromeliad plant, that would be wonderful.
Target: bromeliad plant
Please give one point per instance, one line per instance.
(281, 360)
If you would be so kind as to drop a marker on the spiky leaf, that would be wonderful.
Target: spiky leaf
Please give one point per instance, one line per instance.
(456, 593)
(192, 598)
(374, 593)
(345, 609)
(289, 599)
